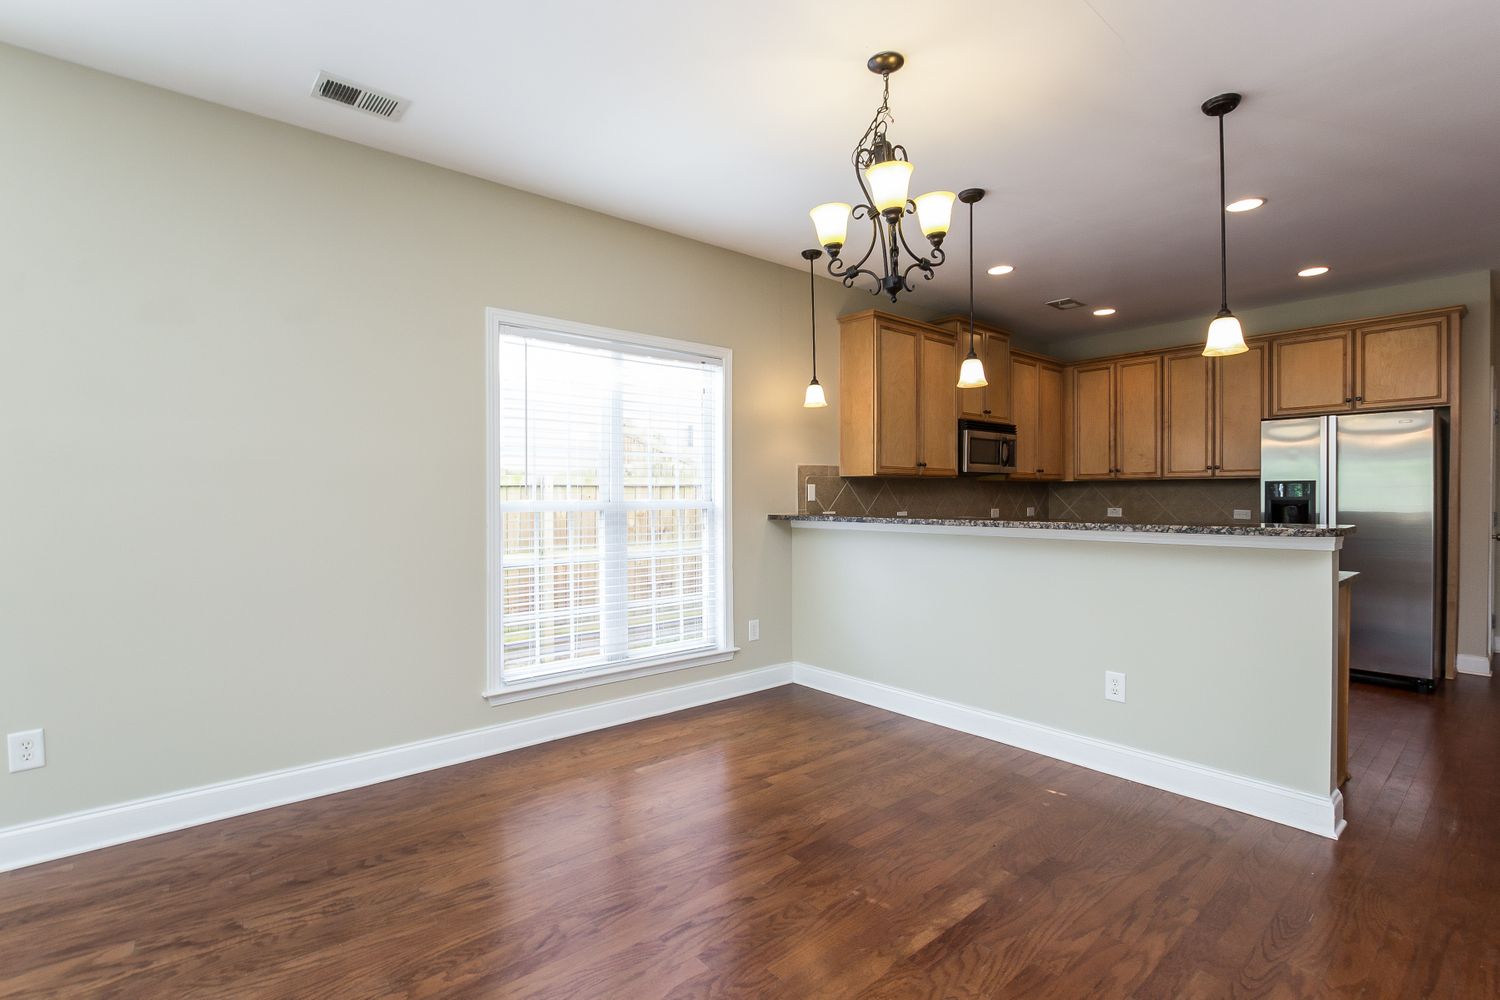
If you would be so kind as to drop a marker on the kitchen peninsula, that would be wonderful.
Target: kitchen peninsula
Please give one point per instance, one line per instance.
(1227, 637)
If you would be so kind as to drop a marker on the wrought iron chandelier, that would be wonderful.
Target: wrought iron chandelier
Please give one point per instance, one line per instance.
(884, 175)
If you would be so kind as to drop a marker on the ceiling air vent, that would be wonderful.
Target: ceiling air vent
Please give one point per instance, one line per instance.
(331, 88)
(1065, 304)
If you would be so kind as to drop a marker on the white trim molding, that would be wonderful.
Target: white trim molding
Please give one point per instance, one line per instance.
(1320, 814)
(1469, 663)
(76, 833)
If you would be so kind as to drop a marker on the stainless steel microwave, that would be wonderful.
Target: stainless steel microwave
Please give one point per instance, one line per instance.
(985, 448)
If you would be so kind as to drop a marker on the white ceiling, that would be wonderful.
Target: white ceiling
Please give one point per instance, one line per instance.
(1373, 126)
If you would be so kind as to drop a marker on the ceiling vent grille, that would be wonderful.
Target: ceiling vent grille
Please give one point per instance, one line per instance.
(1065, 304)
(362, 98)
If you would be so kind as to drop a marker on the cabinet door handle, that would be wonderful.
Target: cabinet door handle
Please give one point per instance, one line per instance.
(1348, 399)
(1359, 399)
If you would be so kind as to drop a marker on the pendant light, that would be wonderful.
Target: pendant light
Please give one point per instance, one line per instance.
(814, 397)
(1225, 336)
(971, 372)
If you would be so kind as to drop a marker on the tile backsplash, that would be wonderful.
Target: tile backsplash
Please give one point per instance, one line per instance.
(1189, 501)
(877, 497)
(1157, 501)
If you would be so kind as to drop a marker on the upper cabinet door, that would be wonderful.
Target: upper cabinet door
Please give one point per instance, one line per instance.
(991, 402)
(938, 401)
(1311, 373)
(1138, 418)
(1188, 441)
(1093, 421)
(1024, 388)
(1401, 364)
(896, 416)
(1050, 425)
(1239, 407)
(997, 370)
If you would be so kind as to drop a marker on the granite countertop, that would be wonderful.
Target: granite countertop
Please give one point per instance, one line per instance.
(1251, 530)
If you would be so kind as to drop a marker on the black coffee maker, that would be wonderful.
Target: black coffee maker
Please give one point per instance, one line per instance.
(1291, 501)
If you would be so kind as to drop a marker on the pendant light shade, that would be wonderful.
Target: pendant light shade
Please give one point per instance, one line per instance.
(971, 372)
(813, 398)
(1225, 336)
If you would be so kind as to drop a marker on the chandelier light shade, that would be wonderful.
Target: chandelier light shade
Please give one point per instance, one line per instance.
(1225, 336)
(971, 372)
(935, 212)
(884, 174)
(813, 398)
(832, 223)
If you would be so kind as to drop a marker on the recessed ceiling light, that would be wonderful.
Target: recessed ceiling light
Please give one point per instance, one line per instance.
(1001, 269)
(1244, 205)
(1106, 311)
(1312, 272)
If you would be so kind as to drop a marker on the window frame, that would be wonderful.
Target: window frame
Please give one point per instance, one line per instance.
(496, 690)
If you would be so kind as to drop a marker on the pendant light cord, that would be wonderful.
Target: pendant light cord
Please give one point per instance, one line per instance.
(812, 301)
(971, 280)
(1223, 228)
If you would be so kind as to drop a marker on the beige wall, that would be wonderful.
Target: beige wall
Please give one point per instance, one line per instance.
(1206, 680)
(242, 431)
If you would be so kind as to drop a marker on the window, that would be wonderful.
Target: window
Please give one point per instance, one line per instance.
(608, 513)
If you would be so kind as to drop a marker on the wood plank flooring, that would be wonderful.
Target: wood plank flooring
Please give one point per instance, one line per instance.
(792, 844)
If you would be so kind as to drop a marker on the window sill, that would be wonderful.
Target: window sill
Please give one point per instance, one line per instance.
(527, 690)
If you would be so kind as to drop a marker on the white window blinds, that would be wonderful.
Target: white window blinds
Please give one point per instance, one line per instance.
(610, 496)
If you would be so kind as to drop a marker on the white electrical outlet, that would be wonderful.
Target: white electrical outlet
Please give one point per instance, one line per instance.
(1031, 512)
(27, 750)
(994, 513)
(812, 492)
(753, 631)
(1240, 514)
(1114, 685)
(1114, 512)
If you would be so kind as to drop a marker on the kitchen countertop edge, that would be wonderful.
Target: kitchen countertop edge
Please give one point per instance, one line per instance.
(1280, 534)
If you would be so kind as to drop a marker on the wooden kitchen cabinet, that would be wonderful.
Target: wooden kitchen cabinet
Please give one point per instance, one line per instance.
(1401, 364)
(1312, 373)
(1393, 364)
(992, 402)
(1093, 421)
(897, 397)
(1117, 419)
(1212, 409)
(1037, 408)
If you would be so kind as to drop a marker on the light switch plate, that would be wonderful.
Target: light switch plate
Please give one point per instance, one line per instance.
(1240, 514)
(753, 631)
(1114, 512)
(1031, 512)
(812, 492)
(994, 513)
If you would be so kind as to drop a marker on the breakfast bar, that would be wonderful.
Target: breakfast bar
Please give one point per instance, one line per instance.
(1222, 641)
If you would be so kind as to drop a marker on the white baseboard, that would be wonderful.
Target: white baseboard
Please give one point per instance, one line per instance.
(1320, 814)
(1468, 663)
(59, 837)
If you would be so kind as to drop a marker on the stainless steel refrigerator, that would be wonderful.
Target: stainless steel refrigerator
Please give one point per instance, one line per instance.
(1384, 474)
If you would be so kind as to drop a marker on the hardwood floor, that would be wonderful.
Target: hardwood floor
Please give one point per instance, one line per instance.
(792, 844)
